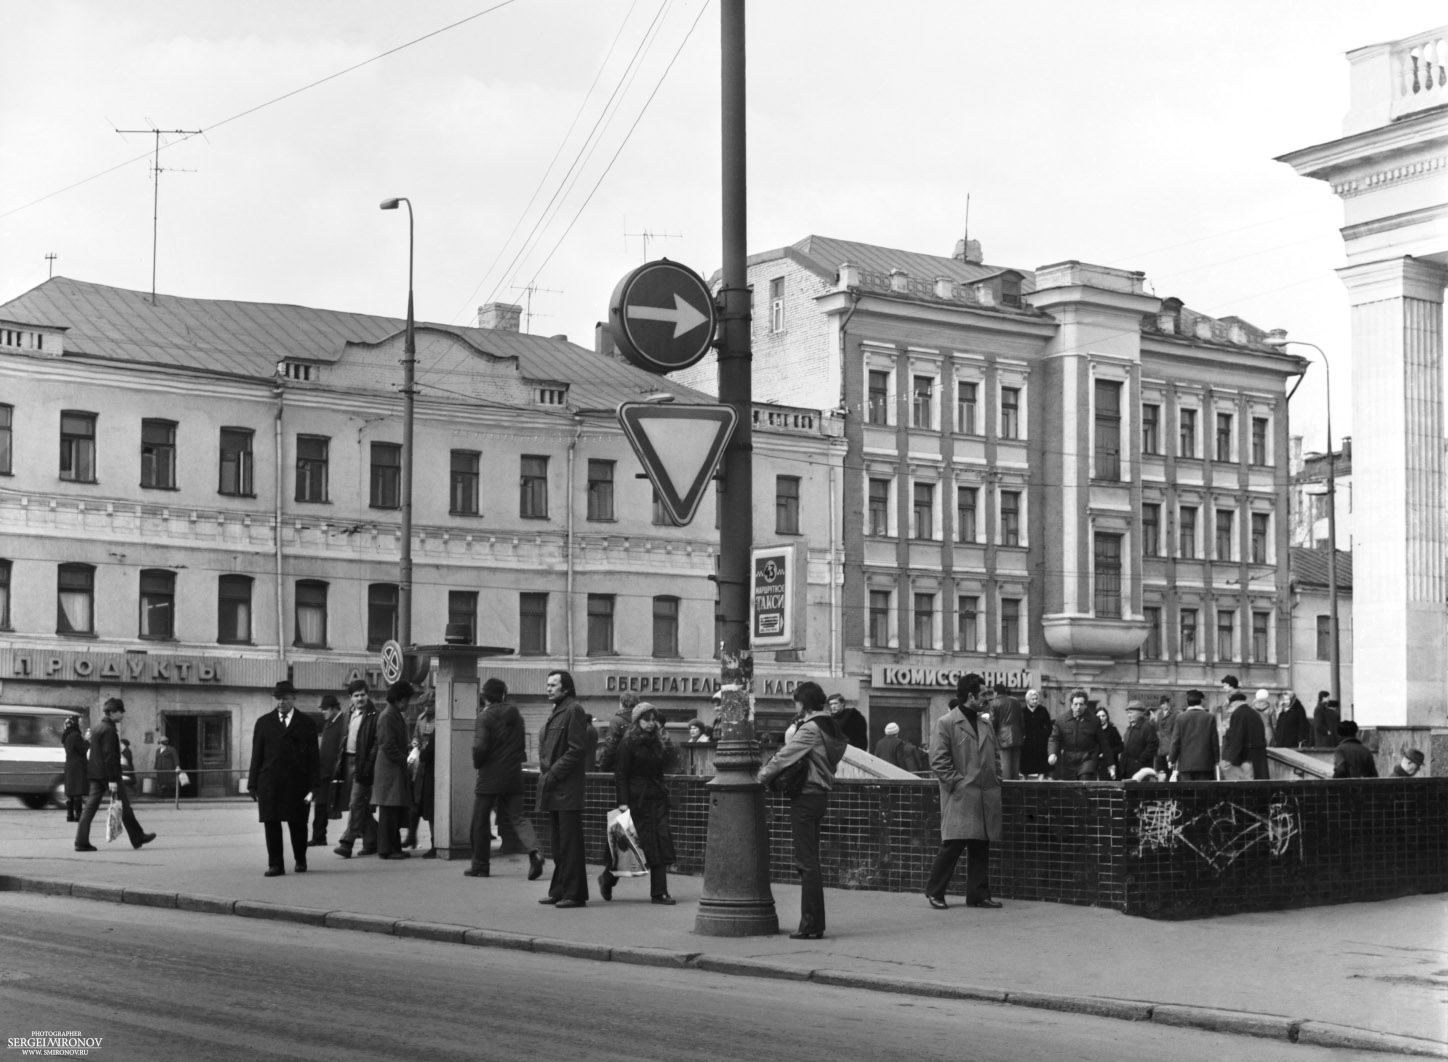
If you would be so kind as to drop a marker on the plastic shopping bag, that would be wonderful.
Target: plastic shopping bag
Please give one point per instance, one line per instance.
(183, 780)
(113, 819)
(623, 842)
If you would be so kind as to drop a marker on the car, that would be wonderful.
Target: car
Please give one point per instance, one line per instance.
(32, 758)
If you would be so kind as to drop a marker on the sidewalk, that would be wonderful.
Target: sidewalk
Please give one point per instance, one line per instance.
(1368, 976)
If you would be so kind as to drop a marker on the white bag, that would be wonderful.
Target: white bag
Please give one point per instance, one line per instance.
(182, 780)
(113, 819)
(623, 842)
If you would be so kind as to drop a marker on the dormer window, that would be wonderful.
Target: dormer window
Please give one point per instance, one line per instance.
(552, 396)
(298, 370)
(1010, 289)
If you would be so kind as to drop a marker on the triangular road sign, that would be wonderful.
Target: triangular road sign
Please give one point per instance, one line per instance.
(679, 447)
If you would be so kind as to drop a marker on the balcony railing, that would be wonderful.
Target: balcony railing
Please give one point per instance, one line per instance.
(1420, 73)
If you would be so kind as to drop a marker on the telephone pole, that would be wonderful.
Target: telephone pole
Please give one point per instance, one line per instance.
(156, 192)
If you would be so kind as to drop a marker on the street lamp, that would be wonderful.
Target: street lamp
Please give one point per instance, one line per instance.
(1279, 339)
(409, 366)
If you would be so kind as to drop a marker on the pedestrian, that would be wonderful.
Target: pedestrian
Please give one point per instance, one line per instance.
(1352, 759)
(327, 798)
(1139, 744)
(164, 766)
(1293, 729)
(103, 774)
(1410, 764)
(698, 732)
(1113, 743)
(811, 755)
(618, 723)
(358, 759)
(1008, 716)
(76, 782)
(590, 747)
(283, 776)
(888, 747)
(644, 756)
(499, 748)
(1165, 720)
(422, 780)
(562, 745)
(852, 723)
(1077, 747)
(128, 765)
(391, 788)
(1038, 737)
(1262, 705)
(963, 756)
(1244, 750)
(1325, 718)
(1195, 746)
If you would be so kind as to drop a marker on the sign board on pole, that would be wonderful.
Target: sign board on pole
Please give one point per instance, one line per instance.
(679, 447)
(662, 316)
(391, 661)
(773, 597)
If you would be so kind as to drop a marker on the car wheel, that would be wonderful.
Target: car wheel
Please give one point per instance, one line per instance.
(35, 801)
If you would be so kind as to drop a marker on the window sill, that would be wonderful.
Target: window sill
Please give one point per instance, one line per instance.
(86, 482)
(530, 516)
(223, 641)
(457, 512)
(781, 531)
(155, 638)
(602, 652)
(77, 634)
(600, 519)
(312, 648)
(312, 501)
(152, 486)
(234, 494)
(384, 508)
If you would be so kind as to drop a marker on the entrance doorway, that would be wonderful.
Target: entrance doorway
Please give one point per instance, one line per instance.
(203, 747)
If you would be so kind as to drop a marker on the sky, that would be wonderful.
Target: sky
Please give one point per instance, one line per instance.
(539, 140)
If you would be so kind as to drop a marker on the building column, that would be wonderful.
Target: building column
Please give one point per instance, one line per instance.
(1398, 596)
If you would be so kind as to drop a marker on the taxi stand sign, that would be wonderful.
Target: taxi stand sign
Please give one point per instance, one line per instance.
(679, 447)
(773, 597)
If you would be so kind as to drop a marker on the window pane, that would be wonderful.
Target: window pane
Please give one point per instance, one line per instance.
(1150, 529)
(1224, 534)
(965, 413)
(1010, 412)
(600, 490)
(1259, 440)
(78, 447)
(1108, 430)
(312, 468)
(600, 623)
(532, 624)
(76, 596)
(233, 609)
(158, 600)
(1260, 625)
(463, 483)
(1151, 429)
(1151, 648)
(1224, 436)
(1010, 625)
(965, 513)
(311, 616)
(462, 613)
(967, 634)
(158, 454)
(924, 510)
(924, 621)
(1226, 635)
(786, 505)
(236, 467)
(1187, 437)
(879, 507)
(7, 420)
(879, 411)
(1108, 576)
(1010, 518)
(381, 614)
(921, 393)
(666, 626)
(1187, 532)
(533, 500)
(386, 479)
(880, 618)
(1189, 634)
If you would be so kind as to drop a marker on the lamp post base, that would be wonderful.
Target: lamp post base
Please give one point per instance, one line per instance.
(736, 901)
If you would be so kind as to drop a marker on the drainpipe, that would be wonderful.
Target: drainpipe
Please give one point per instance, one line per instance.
(280, 391)
(568, 545)
(835, 665)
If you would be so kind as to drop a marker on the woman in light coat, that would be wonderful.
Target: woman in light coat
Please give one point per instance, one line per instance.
(963, 757)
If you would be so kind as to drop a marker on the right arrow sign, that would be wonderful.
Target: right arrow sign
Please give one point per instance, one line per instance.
(679, 447)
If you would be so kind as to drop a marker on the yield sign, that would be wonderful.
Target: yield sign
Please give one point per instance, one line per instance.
(679, 447)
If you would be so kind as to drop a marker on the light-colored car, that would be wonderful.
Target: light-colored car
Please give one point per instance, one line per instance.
(32, 759)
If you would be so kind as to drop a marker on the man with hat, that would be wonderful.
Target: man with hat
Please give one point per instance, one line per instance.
(888, 747)
(391, 791)
(1139, 744)
(328, 797)
(284, 770)
(1195, 745)
(1352, 759)
(357, 760)
(1409, 765)
(103, 770)
(164, 766)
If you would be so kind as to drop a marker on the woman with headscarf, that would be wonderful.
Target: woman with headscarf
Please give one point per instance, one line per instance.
(644, 753)
(76, 782)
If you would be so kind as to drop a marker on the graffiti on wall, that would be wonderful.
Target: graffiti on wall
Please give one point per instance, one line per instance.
(1223, 833)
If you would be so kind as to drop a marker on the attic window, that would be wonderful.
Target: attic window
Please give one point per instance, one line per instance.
(1010, 290)
(296, 370)
(552, 396)
(23, 340)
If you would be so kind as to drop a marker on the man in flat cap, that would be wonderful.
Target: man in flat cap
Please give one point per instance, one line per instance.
(391, 789)
(358, 754)
(1139, 744)
(284, 772)
(1352, 759)
(328, 798)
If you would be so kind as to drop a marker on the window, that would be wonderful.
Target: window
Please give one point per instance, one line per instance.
(924, 621)
(1224, 437)
(1010, 518)
(1010, 625)
(1259, 538)
(1108, 576)
(78, 446)
(600, 623)
(786, 505)
(1151, 648)
(381, 614)
(1226, 634)
(532, 624)
(1324, 637)
(158, 454)
(965, 415)
(158, 604)
(1186, 433)
(236, 462)
(776, 304)
(600, 490)
(879, 409)
(967, 624)
(666, 626)
(75, 599)
(1260, 622)
(1151, 529)
(924, 511)
(7, 426)
(463, 482)
(880, 619)
(1010, 412)
(661, 515)
(1224, 534)
(965, 513)
(920, 400)
(233, 610)
(312, 467)
(1187, 532)
(879, 507)
(386, 479)
(4, 595)
(533, 497)
(311, 618)
(462, 612)
(1150, 429)
(1108, 430)
(1189, 634)
(552, 396)
(1259, 440)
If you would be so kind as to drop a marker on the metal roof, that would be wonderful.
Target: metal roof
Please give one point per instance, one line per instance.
(830, 252)
(1309, 568)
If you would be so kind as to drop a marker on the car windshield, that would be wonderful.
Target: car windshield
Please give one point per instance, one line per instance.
(31, 730)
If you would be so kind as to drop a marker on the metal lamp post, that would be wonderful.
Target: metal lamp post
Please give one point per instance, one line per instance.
(409, 368)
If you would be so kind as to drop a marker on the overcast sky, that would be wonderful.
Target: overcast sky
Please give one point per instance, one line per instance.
(1135, 134)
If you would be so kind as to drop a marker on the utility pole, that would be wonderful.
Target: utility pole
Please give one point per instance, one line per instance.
(156, 192)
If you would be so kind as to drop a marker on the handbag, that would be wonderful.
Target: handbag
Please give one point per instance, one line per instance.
(183, 779)
(623, 842)
(113, 819)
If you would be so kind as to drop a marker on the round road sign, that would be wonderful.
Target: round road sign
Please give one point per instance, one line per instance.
(391, 661)
(662, 315)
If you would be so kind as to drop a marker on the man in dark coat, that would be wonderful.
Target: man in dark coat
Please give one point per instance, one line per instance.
(1245, 746)
(1352, 759)
(391, 786)
(1138, 745)
(163, 765)
(888, 747)
(1195, 746)
(1078, 747)
(561, 747)
(358, 756)
(1165, 724)
(856, 730)
(1008, 716)
(77, 784)
(1293, 729)
(282, 777)
(103, 770)
(1409, 765)
(963, 757)
(329, 758)
(1325, 718)
(499, 748)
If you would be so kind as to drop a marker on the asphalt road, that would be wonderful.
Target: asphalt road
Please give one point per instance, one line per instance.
(158, 985)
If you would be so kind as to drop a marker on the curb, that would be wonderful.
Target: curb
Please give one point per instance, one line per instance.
(1238, 1023)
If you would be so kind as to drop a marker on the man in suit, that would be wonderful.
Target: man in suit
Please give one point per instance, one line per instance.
(561, 747)
(1244, 750)
(963, 757)
(358, 757)
(103, 771)
(391, 787)
(1195, 745)
(1008, 716)
(498, 754)
(1138, 744)
(328, 794)
(284, 770)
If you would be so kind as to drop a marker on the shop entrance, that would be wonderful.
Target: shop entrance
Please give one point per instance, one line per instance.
(906, 710)
(203, 747)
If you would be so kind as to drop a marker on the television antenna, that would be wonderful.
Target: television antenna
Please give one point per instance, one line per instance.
(156, 171)
(528, 291)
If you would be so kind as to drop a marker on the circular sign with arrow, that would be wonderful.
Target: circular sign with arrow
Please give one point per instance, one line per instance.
(662, 316)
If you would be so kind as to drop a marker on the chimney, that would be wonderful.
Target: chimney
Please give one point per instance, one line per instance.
(944, 288)
(501, 316)
(603, 341)
(968, 251)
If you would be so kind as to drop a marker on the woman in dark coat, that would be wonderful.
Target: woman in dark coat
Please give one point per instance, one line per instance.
(644, 754)
(1113, 738)
(1038, 734)
(422, 781)
(76, 783)
(1293, 729)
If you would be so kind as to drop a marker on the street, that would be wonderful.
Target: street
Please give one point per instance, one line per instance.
(164, 984)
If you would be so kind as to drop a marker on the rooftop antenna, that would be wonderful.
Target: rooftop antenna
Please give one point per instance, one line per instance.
(646, 236)
(50, 258)
(528, 291)
(156, 193)
(966, 246)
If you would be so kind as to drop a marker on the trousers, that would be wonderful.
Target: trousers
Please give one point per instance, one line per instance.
(806, 814)
(297, 828)
(93, 800)
(510, 807)
(977, 870)
(570, 880)
(361, 826)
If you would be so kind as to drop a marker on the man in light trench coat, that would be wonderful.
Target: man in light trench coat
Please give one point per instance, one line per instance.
(963, 757)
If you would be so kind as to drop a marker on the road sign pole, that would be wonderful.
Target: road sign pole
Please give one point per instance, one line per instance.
(736, 899)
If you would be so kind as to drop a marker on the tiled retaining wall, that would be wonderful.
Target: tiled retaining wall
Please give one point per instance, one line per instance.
(1181, 850)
